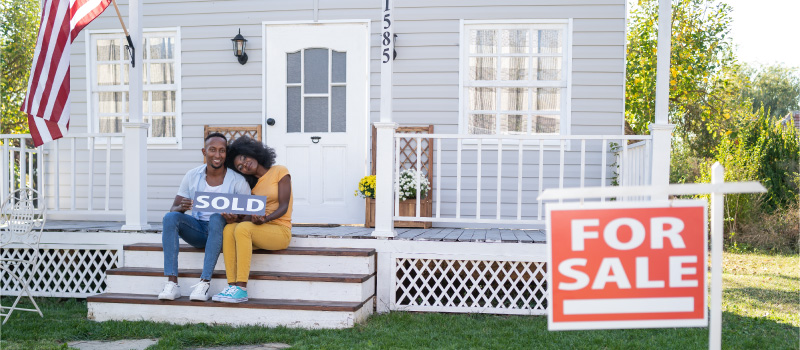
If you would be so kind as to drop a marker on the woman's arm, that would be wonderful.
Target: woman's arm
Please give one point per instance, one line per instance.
(284, 194)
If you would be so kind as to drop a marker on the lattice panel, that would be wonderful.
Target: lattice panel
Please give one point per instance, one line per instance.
(235, 132)
(62, 272)
(470, 285)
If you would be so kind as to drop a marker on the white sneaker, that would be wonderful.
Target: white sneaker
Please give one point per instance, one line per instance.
(171, 291)
(200, 291)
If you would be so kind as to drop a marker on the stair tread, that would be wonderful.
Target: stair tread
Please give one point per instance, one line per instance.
(324, 251)
(283, 304)
(254, 275)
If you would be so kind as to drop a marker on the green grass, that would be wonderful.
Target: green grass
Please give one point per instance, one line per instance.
(760, 312)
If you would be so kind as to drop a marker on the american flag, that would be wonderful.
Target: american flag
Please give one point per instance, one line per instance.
(47, 100)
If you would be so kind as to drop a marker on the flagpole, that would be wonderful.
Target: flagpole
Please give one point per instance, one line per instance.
(127, 36)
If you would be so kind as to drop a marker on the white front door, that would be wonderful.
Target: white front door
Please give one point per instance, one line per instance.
(316, 94)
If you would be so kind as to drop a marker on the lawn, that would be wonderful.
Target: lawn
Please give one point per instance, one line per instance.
(761, 310)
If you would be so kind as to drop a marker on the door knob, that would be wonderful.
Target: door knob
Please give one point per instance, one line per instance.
(270, 121)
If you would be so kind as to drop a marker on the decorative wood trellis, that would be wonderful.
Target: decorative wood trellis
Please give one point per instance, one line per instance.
(408, 160)
(235, 132)
(469, 285)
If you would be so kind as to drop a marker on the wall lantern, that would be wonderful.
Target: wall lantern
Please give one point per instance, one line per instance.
(239, 43)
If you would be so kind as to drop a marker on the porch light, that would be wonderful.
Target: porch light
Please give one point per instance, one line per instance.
(239, 43)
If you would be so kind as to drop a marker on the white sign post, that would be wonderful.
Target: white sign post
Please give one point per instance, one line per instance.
(717, 188)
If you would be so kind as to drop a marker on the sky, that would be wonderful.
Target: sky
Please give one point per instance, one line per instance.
(766, 31)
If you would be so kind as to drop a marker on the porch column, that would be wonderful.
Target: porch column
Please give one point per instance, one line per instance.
(661, 130)
(384, 173)
(135, 135)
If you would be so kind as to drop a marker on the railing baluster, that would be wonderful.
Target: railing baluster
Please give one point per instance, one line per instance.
(519, 181)
(108, 172)
(23, 164)
(561, 168)
(583, 164)
(541, 177)
(74, 183)
(396, 174)
(90, 143)
(31, 172)
(419, 174)
(458, 178)
(478, 178)
(499, 174)
(40, 168)
(622, 162)
(57, 174)
(604, 147)
(438, 177)
(7, 162)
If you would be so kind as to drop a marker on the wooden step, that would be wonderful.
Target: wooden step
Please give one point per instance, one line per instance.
(265, 312)
(262, 284)
(292, 259)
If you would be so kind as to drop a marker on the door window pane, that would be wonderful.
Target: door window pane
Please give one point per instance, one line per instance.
(293, 67)
(315, 114)
(315, 71)
(339, 67)
(338, 109)
(293, 109)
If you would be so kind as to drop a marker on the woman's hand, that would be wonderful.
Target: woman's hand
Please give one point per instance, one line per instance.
(258, 219)
(231, 218)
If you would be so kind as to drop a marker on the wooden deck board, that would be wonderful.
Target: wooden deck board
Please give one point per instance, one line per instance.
(436, 234)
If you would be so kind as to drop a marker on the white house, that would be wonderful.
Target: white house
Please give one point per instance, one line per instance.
(523, 95)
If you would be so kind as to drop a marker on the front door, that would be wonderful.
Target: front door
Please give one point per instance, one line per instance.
(316, 115)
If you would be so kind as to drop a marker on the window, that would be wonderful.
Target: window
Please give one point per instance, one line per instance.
(316, 91)
(109, 64)
(515, 78)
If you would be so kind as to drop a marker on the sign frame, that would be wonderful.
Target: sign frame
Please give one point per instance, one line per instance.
(626, 324)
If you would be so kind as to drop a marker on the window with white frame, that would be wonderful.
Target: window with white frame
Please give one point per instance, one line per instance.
(515, 78)
(110, 66)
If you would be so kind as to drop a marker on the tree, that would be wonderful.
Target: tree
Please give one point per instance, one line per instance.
(19, 26)
(776, 88)
(702, 98)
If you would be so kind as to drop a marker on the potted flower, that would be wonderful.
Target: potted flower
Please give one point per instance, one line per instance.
(406, 189)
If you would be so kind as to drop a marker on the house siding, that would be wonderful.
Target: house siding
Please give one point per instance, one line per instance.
(217, 90)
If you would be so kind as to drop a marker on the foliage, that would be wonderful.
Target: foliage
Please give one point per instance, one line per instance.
(366, 187)
(764, 150)
(775, 88)
(407, 186)
(701, 97)
(19, 24)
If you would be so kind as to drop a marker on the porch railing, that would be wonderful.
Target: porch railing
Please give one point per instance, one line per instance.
(496, 179)
(80, 174)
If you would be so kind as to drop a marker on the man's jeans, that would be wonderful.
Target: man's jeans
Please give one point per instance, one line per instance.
(199, 234)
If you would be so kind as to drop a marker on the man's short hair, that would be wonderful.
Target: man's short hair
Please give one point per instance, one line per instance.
(216, 134)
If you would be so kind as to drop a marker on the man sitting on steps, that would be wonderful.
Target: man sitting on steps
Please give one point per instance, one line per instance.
(200, 229)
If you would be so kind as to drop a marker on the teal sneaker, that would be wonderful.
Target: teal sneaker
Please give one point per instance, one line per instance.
(235, 295)
(224, 294)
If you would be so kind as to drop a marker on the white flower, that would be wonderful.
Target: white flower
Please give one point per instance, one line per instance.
(407, 184)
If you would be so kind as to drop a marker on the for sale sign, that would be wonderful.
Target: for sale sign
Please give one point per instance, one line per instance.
(627, 265)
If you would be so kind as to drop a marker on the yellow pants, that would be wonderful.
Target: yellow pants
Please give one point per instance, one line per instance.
(240, 239)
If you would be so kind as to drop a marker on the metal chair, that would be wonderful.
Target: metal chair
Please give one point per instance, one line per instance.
(22, 218)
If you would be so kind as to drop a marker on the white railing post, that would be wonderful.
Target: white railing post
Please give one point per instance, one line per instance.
(135, 142)
(662, 138)
(384, 191)
(717, 216)
(23, 164)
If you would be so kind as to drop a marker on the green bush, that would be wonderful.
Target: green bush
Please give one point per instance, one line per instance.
(760, 150)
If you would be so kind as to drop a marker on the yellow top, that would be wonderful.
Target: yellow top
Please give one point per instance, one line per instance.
(267, 185)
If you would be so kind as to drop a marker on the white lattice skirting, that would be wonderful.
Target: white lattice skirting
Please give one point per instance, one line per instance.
(64, 271)
(465, 285)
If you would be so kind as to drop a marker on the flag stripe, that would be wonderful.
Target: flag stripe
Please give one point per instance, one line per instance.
(47, 99)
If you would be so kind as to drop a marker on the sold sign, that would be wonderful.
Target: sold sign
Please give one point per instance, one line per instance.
(212, 202)
(627, 265)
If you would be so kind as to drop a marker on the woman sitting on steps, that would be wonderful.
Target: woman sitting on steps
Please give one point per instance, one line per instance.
(243, 234)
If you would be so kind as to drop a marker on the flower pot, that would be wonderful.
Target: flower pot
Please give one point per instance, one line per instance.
(407, 208)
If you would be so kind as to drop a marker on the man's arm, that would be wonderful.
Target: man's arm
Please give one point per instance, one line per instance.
(181, 204)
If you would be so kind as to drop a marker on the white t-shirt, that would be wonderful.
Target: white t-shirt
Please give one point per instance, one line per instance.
(203, 215)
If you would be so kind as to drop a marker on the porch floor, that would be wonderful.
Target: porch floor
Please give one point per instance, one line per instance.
(299, 230)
